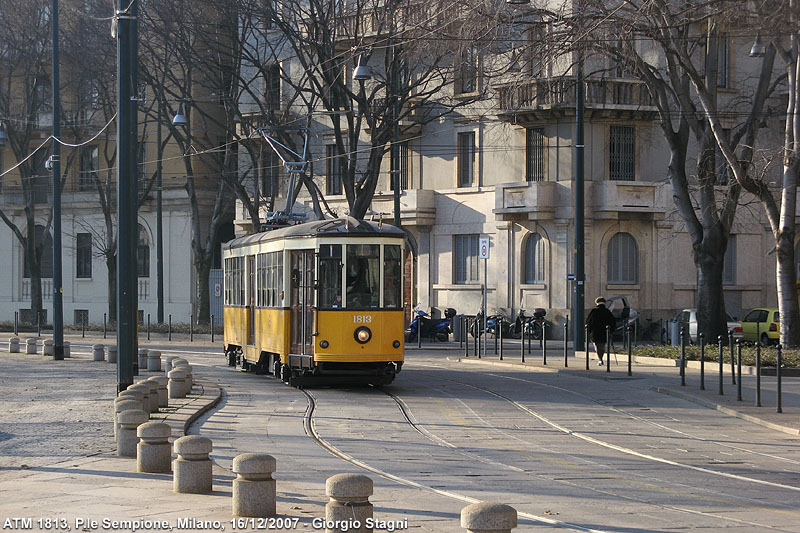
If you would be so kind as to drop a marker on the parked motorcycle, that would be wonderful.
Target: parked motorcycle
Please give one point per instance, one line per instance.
(434, 329)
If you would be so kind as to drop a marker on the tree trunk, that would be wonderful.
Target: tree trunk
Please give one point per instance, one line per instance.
(787, 289)
(111, 269)
(203, 267)
(709, 261)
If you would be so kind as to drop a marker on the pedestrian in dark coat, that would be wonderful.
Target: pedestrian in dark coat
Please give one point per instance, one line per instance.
(598, 319)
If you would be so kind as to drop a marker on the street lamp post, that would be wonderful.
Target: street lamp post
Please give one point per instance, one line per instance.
(579, 286)
(159, 224)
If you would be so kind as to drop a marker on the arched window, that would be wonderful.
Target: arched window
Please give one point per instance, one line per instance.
(46, 262)
(623, 260)
(534, 259)
(143, 254)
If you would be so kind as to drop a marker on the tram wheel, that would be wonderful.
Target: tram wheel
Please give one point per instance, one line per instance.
(231, 356)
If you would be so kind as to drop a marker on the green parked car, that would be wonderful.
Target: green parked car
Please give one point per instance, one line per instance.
(762, 324)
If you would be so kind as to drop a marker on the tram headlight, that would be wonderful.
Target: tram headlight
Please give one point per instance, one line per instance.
(362, 335)
(396, 344)
(323, 344)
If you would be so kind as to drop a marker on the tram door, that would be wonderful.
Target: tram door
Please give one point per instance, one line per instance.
(251, 299)
(302, 301)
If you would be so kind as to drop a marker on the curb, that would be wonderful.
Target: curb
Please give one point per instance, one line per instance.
(728, 411)
(508, 364)
(216, 395)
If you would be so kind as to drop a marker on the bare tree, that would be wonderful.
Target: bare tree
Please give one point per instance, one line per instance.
(686, 38)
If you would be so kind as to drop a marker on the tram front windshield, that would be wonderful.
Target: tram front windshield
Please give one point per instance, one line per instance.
(362, 276)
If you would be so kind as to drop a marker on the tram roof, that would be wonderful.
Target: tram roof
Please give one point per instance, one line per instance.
(337, 227)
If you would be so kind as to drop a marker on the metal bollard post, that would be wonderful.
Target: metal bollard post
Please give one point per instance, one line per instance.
(532, 324)
(608, 349)
(758, 373)
(16, 323)
(191, 328)
(586, 346)
(419, 334)
(465, 330)
(739, 370)
(544, 342)
(105, 317)
(476, 327)
(148, 326)
(501, 339)
(702, 361)
(83, 327)
(522, 342)
(630, 352)
(683, 357)
(39, 324)
(169, 328)
(778, 376)
(721, 341)
(733, 368)
(212, 328)
(566, 338)
(497, 324)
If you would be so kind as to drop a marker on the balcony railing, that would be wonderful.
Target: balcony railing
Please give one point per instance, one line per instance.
(548, 93)
(47, 289)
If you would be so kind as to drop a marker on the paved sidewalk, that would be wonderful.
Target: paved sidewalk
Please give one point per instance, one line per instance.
(663, 375)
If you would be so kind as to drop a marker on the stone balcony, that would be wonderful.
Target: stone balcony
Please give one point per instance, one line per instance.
(545, 98)
(639, 198)
(417, 207)
(533, 200)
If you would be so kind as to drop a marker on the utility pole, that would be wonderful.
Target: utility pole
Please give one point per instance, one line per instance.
(159, 224)
(127, 345)
(395, 153)
(58, 303)
(580, 275)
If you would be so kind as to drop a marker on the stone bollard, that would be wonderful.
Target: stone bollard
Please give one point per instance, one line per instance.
(130, 392)
(126, 435)
(66, 350)
(349, 494)
(13, 345)
(145, 390)
(154, 452)
(254, 488)
(98, 352)
(163, 393)
(124, 403)
(153, 361)
(177, 383)
(192, 468)
(142, 361)
(152, 399)
(168, 364)
(48, 347)
(187, 368)
(488, 517)
(112, 354)
(30, 345)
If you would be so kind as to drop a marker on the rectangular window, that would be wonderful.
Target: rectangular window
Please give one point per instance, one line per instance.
(466, 159)
(87, 176)
(392, 277)
(81, 317)
(272, 87)
(42, 178)
(724, 62)
(334, 170)
(466, 71)
(465, 259)
(402, 164)
(622, 152)
(330, 276)
(729, 268)
(534, 154)
(269, 170)
(83, 254)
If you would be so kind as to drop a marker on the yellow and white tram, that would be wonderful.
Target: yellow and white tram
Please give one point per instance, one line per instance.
(318, 301)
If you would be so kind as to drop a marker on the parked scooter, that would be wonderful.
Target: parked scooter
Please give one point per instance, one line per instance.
(434, 329)
(534, 326)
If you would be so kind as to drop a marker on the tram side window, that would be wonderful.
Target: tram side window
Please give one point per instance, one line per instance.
(392, 286)
(273, 279)
(363, 276)
(330, 276)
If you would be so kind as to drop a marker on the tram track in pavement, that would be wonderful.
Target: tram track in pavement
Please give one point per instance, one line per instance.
(419, 428)
(623, 449)
(409, 416)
